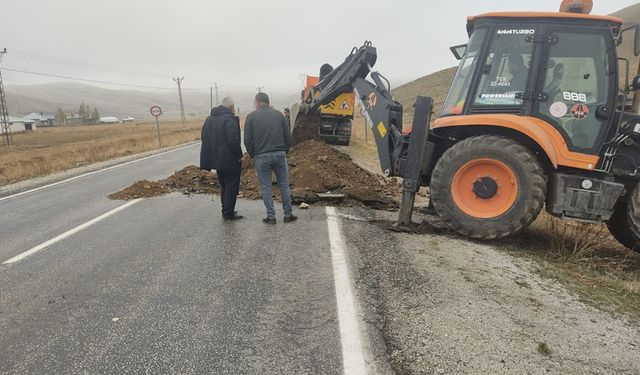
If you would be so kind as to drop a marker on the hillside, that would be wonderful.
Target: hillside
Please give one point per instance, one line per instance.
(22, 99)
(628, 14)
(437, 84)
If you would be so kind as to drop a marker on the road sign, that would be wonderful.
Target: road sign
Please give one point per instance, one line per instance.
(155, 111)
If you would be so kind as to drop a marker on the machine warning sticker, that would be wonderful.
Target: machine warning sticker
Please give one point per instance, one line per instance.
(558, 109)
(381, 129)
(373, 100)
(579, 111)
(345, 105)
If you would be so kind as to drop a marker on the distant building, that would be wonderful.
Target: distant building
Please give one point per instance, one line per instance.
(73, 119)
(20, 124)
(40, 119)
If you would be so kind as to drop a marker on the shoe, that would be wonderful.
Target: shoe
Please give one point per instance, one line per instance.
(269, 220)
(291, 218)
(235, 216)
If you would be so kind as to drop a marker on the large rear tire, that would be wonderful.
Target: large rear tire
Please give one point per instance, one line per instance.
(623, 225)
(488, 187)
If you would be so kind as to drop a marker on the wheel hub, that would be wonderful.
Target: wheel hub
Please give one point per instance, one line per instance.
(485, 187)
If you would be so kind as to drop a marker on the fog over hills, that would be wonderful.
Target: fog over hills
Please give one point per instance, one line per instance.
(23, 99)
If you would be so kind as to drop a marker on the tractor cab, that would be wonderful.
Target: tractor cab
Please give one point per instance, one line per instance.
(560, 69)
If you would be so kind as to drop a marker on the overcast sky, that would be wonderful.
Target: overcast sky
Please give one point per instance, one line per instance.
(238, 43)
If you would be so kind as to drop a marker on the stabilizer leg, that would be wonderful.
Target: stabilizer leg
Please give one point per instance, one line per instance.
(417, 162)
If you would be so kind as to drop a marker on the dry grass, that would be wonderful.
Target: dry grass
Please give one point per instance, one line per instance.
(586, 258)
(572, 239)
(49, 150)
(581, 242)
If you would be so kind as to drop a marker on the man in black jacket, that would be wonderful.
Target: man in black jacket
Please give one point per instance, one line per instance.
(221, 151)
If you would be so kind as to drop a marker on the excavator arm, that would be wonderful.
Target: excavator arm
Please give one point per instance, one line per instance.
(404, 155)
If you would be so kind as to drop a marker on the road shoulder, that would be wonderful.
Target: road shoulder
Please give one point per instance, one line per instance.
(446, 305)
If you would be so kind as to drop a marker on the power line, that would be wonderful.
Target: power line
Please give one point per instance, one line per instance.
(60, 61)
(259, 88)
(99, 67)
(92, 80)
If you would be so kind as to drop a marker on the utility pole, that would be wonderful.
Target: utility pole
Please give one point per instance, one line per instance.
(179, 82)
(5, 126)
(303, 79)
(259, 88)
(215, 85)
(210, 97)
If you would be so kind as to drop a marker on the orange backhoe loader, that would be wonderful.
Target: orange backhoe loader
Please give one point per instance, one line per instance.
(535, 117)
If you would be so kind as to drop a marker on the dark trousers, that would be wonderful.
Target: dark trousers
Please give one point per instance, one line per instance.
(229, 189)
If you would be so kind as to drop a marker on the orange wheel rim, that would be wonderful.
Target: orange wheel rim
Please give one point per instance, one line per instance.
(484, 188)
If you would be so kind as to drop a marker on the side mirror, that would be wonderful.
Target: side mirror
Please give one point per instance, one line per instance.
(635, 84)
(459, 51)
(636, 42)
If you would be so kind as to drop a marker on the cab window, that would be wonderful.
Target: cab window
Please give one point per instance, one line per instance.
(455, 101)
(506, 68)
(576, 83)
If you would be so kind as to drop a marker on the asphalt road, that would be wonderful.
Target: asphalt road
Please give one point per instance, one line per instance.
(163, 286)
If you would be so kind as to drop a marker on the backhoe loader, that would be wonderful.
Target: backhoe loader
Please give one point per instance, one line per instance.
(536, 116)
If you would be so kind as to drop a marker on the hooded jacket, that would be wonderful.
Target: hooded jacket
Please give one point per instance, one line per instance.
(221, 148)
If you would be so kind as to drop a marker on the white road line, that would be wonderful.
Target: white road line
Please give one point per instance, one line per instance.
(352, 351)
(70, 232)
(93, 172)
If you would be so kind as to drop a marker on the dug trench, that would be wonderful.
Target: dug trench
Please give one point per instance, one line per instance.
(318, 174)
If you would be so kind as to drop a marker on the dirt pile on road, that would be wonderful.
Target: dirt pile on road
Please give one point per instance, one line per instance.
(317, 174)
(192, 180)
(306, 127)
(189, 180)
(141, 189)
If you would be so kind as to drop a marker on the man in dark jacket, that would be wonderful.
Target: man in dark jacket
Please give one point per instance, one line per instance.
(221, 151)
(267, 138)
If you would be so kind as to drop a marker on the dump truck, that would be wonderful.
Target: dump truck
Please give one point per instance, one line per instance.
(537, 116)
(330, 121)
